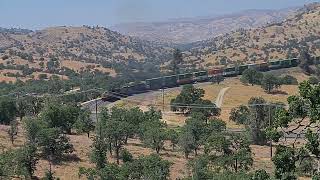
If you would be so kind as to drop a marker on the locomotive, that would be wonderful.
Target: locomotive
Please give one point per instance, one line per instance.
(194, 77)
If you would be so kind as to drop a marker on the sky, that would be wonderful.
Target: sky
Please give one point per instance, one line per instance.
(38, 14)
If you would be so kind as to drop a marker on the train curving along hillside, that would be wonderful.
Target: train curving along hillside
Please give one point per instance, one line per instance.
(198, 76)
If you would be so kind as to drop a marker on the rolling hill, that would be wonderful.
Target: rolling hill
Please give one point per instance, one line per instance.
(56, 50)
(201, 28)
(300, 32)
(76, 48)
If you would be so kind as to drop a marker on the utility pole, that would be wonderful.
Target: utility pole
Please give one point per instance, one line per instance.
(19, 103)
(100, 133)
(162, 94)
(96, 101)
(270, 126)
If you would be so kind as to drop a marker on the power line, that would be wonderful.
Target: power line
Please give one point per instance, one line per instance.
(135, 100)
(197, 106)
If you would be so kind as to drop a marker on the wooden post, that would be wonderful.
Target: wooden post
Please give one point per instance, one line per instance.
(162, 94)
(270, 126)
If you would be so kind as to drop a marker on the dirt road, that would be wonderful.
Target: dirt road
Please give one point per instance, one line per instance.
(219, 100)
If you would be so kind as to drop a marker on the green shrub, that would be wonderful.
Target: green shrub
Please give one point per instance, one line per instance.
(289, 80)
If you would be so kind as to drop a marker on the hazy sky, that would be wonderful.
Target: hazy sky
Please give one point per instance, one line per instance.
(35, 14)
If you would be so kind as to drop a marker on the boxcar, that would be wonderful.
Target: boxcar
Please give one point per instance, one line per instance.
(215, 72)
(170, 81)
(275, 64)
(286, 63)
(242, 68)
(200, 76)
(295, 62)
(185, 78)
(252, 66)
(134, 88)
(154, 83)
(231, 71)
(125, 91)
(110, 97)
(263, 67)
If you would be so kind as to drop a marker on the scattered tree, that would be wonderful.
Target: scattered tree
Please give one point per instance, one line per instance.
(270, 82)
(177, 59)
(84, 123)
(217, 79)
(240, 114)
(231, 152)
(13, 130)
(153, 132)
(205, 107)
(260, 174)
(190, 99)
(186, 142)
(22, 106)
(196, 125)
(284, 161)
(126, 156)
(147, 167)
(60, 116)
(173, 137)
(53, 144)
(116, 128)
(251, 76)
(8, 111)
(289, 80)
(258, 119)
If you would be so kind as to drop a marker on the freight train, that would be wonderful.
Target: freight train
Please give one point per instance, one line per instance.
(194, 77)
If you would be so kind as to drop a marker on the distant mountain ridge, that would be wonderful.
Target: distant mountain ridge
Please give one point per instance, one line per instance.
(56, 50)
(15, 30)
(187, 30)
(300, 32)
(78, 43)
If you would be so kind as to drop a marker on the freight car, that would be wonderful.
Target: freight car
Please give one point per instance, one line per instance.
(199, 76)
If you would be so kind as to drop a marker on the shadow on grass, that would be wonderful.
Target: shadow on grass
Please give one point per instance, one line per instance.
(279, 92)
(66, 159)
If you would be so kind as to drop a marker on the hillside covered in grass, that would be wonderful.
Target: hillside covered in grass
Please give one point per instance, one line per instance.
(300, 32)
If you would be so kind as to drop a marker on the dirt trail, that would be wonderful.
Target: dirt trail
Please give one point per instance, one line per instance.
(219, 100)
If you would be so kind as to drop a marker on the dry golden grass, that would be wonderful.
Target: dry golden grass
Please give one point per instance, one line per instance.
(177, 170)
(175, 120)
(5, 71)
(5, 143)
(78, 66)
(36, 75)
(129, 54)
(262, 158)
(19, 61)
(68, 170)
(256, 42)
(7, 79)
(237, 95)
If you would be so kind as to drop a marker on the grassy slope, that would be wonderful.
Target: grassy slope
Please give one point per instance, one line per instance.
(238, 94)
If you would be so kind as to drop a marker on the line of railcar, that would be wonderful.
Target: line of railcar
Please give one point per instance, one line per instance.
(194, 77)
(201, 76)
